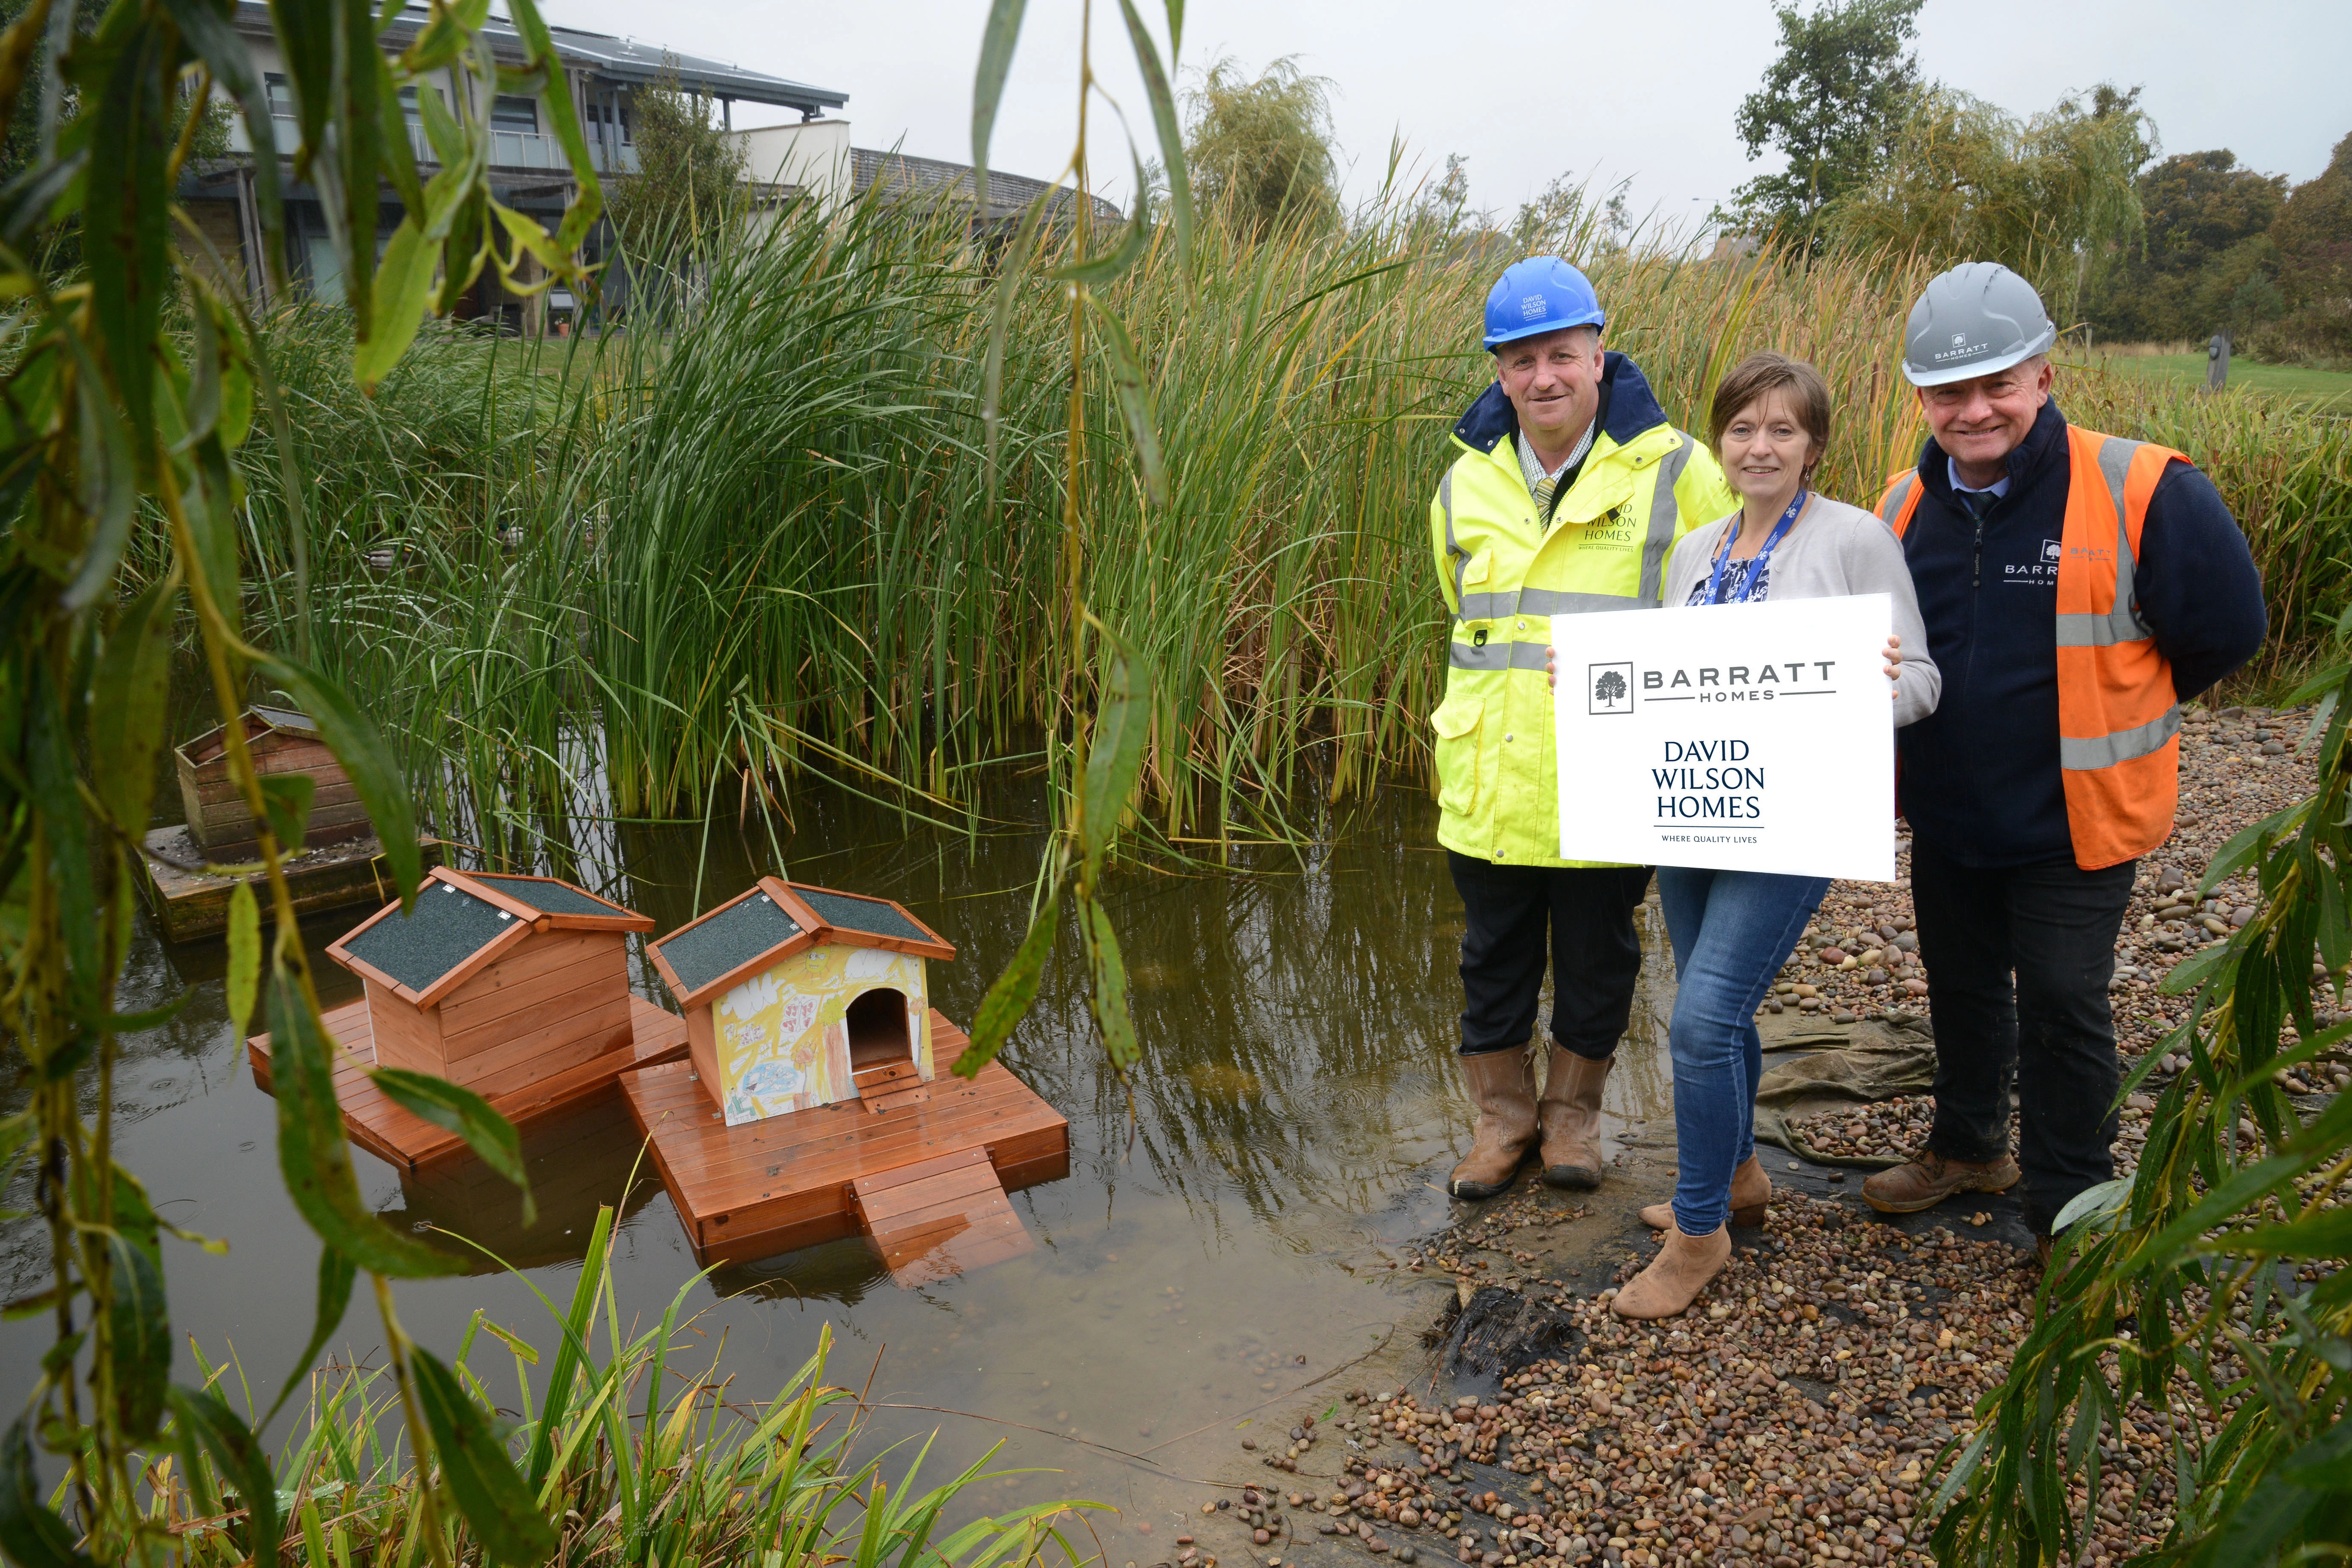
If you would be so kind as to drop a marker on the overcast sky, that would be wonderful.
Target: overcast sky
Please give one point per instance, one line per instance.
(1642, 93)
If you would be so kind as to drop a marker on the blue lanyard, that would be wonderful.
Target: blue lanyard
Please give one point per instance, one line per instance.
(1756, 570)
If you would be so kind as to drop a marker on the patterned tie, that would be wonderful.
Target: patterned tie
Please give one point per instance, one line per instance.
(1543, 493)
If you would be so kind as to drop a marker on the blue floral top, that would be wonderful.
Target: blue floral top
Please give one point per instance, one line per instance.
(1735, 577)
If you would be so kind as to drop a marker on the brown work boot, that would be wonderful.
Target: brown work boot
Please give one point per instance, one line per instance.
(1751, 1194)
(1570, 1110)
(1675, 1277)
(1928, 1179)
(1503, 1087)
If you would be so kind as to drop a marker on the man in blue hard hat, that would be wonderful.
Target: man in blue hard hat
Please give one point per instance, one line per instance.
(1569, 488)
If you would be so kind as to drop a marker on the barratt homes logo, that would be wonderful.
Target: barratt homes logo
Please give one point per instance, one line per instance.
(1960, 349)
(1612, 689)
(2044, 571)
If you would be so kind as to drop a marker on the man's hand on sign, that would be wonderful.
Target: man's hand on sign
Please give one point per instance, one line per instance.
(1893, 666)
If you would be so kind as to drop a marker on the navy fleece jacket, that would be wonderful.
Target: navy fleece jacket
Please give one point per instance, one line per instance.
(1979, 776)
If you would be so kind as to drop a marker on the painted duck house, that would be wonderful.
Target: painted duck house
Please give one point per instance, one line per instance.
(798, 996)
(817, 1100)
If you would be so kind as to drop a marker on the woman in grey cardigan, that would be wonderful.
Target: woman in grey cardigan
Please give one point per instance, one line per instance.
(1731, 931)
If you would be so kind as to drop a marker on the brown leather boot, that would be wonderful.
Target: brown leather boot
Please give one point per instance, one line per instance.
(1675, 1277)
(1751, 1194)
(1928, 1179)
(1502, 1086)
(1570, 1111)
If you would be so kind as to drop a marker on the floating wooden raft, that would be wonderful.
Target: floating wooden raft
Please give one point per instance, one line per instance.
(191, 900)
(926, 1179)
(409, 1142)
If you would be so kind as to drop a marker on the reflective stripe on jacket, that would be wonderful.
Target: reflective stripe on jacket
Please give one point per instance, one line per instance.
(1642, 487)
(2118, 716)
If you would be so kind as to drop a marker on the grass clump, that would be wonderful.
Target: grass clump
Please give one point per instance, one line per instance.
(632, 1460)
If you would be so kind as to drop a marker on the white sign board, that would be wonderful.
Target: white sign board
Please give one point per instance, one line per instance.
(1736, 737)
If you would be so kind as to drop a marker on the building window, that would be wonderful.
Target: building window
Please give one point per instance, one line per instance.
(408, 106)
(510, 112)
(282, 96)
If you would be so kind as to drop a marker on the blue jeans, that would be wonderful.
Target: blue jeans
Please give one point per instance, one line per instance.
(1731, 931)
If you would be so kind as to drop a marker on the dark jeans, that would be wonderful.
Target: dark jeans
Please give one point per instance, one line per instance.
(2053, 928)
(1595, 956)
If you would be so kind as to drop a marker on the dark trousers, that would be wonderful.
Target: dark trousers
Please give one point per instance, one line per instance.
(1588, 916)
(2049, 1029)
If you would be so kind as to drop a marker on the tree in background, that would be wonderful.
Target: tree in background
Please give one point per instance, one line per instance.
(1262, 149)
(1445, 201)
(689, 176)
(1971, 181)
(2206, 260)
(2312, 236)
(1834, 102)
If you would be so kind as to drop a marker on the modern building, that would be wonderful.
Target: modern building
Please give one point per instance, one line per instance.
(527, 168)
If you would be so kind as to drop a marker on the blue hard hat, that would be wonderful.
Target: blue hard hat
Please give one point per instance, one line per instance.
(1541, 294)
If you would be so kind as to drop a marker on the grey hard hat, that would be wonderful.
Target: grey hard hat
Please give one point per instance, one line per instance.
(1975, 319)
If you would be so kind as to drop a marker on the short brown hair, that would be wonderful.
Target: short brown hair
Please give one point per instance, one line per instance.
(1762, 373)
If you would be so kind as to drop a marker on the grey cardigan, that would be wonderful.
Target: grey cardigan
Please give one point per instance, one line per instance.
(1833, 549)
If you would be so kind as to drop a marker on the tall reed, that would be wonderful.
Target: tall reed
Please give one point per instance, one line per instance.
(754, 531)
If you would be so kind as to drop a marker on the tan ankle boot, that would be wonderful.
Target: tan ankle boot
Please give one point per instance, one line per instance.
(1503, 1087)
(1927, 1178)
(1675, 1277)
(1570, 1111)
(1751, 1194)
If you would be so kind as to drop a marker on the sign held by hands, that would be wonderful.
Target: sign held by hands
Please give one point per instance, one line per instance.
(1736, 737)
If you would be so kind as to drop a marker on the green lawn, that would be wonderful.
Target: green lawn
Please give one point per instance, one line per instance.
(2328, 389)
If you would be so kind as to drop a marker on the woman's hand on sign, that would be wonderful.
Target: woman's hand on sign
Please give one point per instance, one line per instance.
(1550, 677)
(1893, 663)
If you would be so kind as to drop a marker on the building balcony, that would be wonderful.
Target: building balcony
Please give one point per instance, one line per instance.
(509, 149)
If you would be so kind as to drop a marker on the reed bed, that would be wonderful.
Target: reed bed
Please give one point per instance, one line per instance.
(763, 530)
(634, 1459)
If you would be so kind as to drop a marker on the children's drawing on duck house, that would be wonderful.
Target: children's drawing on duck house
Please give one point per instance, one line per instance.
(797, 997)
(791, 1036)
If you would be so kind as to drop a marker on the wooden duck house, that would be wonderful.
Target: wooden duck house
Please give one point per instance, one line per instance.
(279, 741)
(517, 987)
(797, 997)
(813, 1105)
(339, 858)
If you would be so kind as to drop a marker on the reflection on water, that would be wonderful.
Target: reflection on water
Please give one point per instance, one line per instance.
(1222, 1238)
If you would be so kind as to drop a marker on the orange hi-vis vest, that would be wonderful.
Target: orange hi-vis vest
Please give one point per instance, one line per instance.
(2118, 716)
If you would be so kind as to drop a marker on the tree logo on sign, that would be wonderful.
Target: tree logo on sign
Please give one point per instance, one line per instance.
(1612, 689)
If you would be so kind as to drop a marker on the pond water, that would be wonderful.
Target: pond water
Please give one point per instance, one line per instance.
(1224, 1237)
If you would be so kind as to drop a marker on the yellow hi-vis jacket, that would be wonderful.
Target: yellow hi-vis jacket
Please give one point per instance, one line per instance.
(1643, 485)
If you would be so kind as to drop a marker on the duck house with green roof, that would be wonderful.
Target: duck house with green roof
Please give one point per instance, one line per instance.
(515, 987)
(816, 1101)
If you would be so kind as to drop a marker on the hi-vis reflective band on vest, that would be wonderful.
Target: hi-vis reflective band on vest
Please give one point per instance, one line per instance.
(1506, 575)
(2118, 717)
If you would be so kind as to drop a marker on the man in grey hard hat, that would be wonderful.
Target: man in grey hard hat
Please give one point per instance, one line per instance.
(2076, 589)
